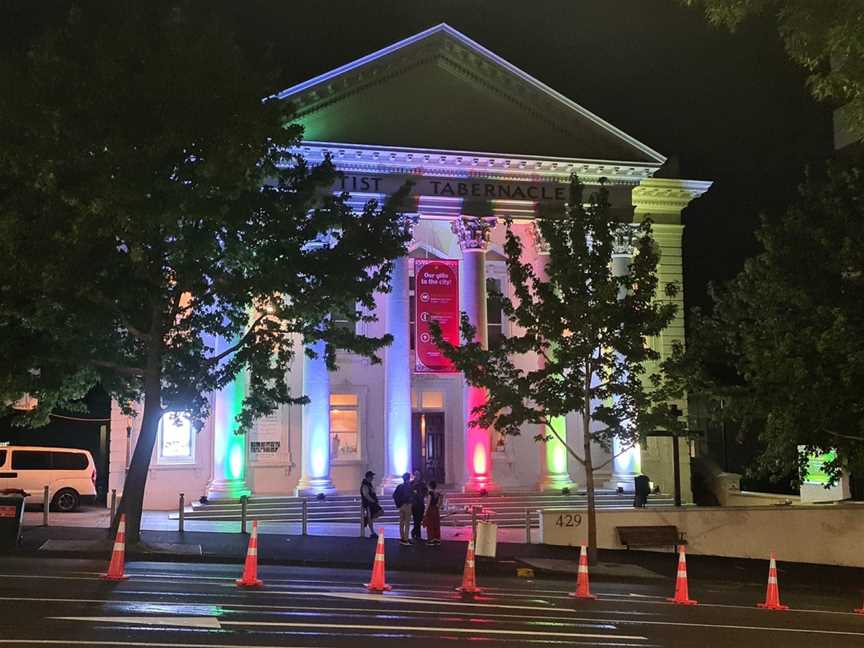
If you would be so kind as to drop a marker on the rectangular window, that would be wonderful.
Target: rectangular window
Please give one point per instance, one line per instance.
(341, 321)
(69, 460)
(2, 458)
(31, 460)
(494, 319)
(176, 439)
(344, 427)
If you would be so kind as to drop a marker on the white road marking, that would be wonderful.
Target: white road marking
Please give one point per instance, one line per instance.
(397, 599)
(143, 644)
(439, 629)
(185, 622)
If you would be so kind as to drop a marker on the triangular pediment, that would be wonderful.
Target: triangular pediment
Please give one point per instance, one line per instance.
(440, 90)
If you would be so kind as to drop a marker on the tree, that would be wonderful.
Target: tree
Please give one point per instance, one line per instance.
(826, 37)
(791, 326)
(590, 327)
(152, 205)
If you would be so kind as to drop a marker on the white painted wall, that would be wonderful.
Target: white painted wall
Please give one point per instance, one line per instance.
(829, 535)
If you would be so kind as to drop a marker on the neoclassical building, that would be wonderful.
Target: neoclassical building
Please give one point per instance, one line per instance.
(483, 141)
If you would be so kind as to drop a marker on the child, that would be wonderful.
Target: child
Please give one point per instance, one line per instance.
(432, 519)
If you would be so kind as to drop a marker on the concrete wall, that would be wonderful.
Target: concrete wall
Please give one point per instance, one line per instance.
(830, 535)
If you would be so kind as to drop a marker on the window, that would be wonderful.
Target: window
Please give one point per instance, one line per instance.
(341, 321)
(69, 460)
(31, 460)
(427, 400)
(2, 458)
(344, 427)
(176, 439)
(494, 319)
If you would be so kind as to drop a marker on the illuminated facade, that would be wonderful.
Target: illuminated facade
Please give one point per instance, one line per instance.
(482, 140)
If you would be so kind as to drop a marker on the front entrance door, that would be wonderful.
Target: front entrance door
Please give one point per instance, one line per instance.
(427, 444)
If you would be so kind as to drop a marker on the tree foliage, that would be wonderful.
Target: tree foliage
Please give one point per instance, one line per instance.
(159, 232)
(588, 324)
(824, 36)
(791, 326)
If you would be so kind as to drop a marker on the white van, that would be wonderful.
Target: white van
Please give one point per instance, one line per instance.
(69, 474)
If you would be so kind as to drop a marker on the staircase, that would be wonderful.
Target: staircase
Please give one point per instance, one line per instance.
(509, 509)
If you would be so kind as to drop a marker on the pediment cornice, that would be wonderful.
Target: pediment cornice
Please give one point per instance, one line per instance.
(360, 158)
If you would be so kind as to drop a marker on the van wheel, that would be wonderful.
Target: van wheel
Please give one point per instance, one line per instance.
(66, 500)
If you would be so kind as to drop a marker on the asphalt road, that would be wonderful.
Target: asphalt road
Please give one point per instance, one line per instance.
(45, 602)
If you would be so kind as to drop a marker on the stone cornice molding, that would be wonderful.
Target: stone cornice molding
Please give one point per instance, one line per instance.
(473, 232)
(667, 195)
(363, 158)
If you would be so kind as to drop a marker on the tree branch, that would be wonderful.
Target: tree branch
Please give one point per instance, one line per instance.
(615, 456)
(563, 442)
(135, 372)
(845, 436)
(215, 359)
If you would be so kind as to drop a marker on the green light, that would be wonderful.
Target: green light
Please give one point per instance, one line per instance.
(235, 450)
(556, 453)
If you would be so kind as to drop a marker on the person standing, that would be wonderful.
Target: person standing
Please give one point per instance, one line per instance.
(402, 499)
(418, 504)
(432, 518)
(369, 502)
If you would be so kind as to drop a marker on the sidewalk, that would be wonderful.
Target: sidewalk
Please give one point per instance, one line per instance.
(352, 552)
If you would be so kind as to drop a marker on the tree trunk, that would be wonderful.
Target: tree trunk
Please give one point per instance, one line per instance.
(132, 503)
(589, 488)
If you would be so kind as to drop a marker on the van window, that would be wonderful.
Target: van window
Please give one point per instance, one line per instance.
(2, 457)
(31, 460)
(69, 460)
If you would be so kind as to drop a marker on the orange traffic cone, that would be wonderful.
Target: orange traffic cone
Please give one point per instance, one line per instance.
(115, 567)
(250, 569)
(682, 595)
(582, 589)
(772, 594)
(469, 576)
(378, 584)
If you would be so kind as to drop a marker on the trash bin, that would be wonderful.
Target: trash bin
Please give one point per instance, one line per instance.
(11, 517)
(487, 539)
(641, 489)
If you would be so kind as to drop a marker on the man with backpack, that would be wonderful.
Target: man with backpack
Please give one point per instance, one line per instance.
(402, 498)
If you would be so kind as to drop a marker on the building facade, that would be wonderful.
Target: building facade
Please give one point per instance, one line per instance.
(482, 141)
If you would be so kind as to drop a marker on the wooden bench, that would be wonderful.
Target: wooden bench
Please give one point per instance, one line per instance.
(650, 536)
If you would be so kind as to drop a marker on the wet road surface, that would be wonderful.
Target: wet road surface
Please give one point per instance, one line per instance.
(164, 605)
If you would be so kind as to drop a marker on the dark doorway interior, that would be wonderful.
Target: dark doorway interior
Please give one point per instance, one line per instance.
(427, 444)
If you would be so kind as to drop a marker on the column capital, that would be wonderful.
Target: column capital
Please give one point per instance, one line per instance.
(541, 245)
(473, 232)
(624, 243)
(408, 222)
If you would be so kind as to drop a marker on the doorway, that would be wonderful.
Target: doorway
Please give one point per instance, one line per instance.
(427, 444)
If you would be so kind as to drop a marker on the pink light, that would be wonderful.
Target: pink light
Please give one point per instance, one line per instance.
(479, 460)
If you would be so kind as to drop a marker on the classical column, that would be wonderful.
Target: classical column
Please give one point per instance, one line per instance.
(626, 461)
(553, 455)
(473, 234)
(229, 448)
(397, 377)
(315, 457)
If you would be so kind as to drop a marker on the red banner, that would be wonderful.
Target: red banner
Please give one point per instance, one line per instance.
(436, 297)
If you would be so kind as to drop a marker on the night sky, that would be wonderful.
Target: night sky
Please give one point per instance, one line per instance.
(730, 107)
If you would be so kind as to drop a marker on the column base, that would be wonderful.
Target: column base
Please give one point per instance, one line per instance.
(624, 480)
(555, 483)
(222, 489)
(315, 486)
(389, 484)
(480, 484)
